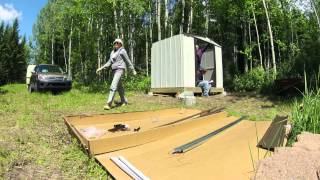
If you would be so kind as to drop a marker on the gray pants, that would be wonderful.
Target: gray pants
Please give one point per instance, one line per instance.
(116, 85)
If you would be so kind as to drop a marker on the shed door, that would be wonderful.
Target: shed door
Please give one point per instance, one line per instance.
(208, 63)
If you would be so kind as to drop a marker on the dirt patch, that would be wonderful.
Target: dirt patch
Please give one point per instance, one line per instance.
(302, 161)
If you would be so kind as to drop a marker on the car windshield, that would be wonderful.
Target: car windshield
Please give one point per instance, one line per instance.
(50, 69)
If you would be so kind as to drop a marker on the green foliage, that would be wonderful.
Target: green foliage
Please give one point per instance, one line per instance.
(137, 83)
(305, 115)
(12, 54)
(256, 79)
(306, 112)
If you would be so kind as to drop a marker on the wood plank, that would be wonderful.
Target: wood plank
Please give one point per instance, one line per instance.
(274, 137)
(182, 89)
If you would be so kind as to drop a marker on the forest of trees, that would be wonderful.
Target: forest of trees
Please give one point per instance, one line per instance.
(281, 36)
(13, 54)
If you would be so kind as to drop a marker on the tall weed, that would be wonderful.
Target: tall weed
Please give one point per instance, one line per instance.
(306, 113)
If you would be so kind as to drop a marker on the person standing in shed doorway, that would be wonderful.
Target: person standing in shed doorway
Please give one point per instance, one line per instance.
(118, 61)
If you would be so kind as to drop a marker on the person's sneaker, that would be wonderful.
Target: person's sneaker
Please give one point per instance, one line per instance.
(124, 104)
(106, 107)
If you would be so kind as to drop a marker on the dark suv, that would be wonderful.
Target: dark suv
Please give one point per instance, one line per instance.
(48, 77)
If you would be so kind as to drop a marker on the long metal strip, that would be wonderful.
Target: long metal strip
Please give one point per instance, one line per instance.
(192, 144)
(128, 168)
(201, 114)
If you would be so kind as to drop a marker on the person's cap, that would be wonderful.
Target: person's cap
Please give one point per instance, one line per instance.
(118, 41)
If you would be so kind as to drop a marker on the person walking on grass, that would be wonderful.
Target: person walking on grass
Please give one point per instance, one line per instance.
(118, 60)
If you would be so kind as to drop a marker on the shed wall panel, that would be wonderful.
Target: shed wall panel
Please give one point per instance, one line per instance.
(219, 71)
(188, 59)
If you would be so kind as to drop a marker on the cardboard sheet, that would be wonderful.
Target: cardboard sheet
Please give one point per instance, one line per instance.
(101, 140)
(224, 156)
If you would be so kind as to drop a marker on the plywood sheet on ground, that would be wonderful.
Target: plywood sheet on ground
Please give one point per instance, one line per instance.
(224, 156)
(109, 144)
(142, 120)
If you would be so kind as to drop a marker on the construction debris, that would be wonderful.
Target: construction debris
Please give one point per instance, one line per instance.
(119, 127)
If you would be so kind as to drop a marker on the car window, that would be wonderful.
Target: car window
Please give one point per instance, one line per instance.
(50, 69)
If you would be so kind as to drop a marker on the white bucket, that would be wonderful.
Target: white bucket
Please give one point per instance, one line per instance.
(190, 100)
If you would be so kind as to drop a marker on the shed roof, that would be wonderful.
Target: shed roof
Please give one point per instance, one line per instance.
(206, 39)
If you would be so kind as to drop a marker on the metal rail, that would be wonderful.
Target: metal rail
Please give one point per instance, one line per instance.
(128, 168)
(192, 144)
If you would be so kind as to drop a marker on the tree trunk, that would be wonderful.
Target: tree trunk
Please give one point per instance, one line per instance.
(147, 52)
(315, 12)
(52, 48)
(158, 18)
(99, 46)
(271, 38)
(207, 20)
(235, 57)
(115, 18)
(182, 16)
(70, 46)
(131, 29)
(245, 47)
(121, 22)
(65, 57)
(258, 36)
(150, 25)
(190, 17)
(79, 46)
(250, 45)
(166, 18)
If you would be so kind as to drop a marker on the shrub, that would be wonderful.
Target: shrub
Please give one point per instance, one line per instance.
(256, 79)
(306, 113)
(139, 82)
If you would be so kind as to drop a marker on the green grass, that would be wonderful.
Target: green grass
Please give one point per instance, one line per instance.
(306, 115)
(33, 136)
(35, 143)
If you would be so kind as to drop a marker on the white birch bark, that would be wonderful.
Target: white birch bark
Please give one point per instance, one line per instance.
(315, 12)
(70, 46)
(64, 56)
(271, 38)
(115, 18)
(166, 18)
(258, 36)
(190, 21)
(158, 18)
(52, 48)
(182, 16)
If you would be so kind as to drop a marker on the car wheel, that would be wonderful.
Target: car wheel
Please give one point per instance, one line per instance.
(30, 90)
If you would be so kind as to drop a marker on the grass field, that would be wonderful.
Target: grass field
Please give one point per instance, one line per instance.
(34, 141)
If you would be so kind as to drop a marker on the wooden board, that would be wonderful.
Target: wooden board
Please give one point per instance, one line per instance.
(144, 120)
(228, 155)
(180, 90)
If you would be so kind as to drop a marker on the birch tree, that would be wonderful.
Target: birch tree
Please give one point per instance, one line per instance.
(257, 34)
(182, 16)
(271, 38)
(190, 17)
(159, 19)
